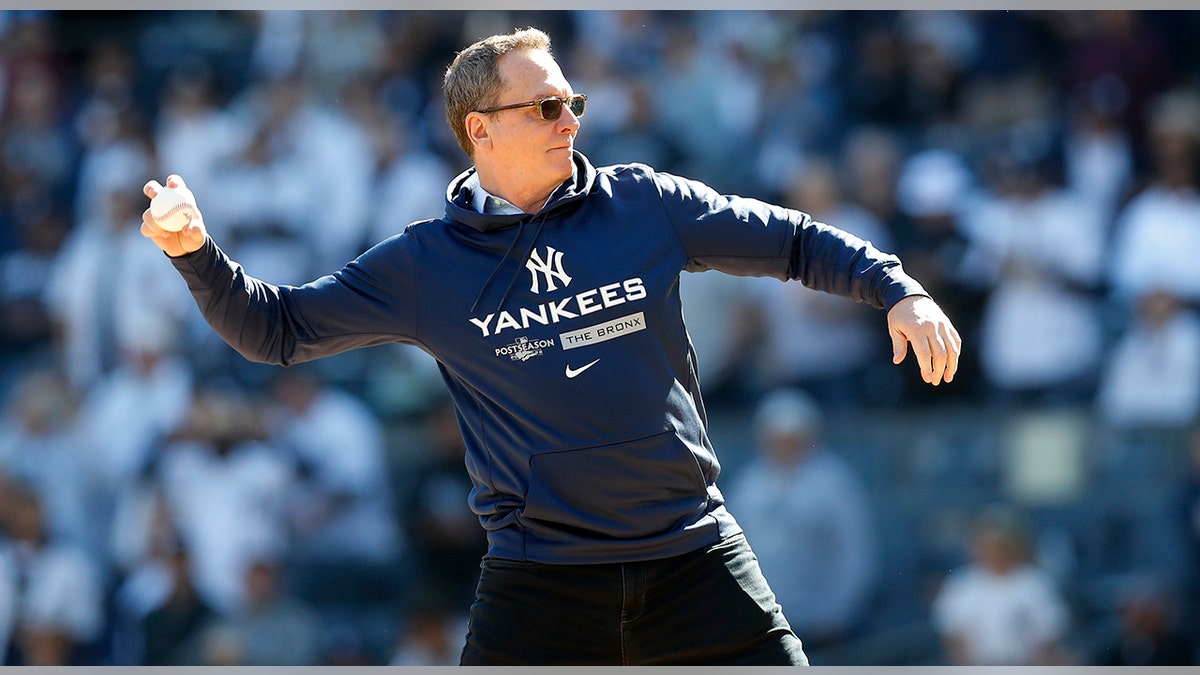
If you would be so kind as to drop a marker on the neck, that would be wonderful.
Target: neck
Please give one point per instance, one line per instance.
(529, 200)
(514, 187)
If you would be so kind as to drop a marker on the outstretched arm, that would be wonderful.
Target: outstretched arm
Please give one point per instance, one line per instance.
(936, 344)
(370, 301)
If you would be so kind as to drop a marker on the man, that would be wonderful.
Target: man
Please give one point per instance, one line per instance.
(548, 294)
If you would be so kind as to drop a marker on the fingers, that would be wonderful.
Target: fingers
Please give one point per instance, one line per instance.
(924, 353)
(954, 345)
(150, 228)
(937, 351)
(936, 344)
(938, 359)
(153, 187)
(899, 346)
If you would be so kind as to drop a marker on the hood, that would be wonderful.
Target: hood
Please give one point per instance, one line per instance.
(459, 193)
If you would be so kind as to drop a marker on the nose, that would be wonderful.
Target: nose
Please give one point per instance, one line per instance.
(568, 119)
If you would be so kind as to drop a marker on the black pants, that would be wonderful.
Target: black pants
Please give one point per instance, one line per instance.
(708, 607)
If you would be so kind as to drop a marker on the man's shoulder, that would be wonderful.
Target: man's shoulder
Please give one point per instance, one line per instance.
(627, 171)
(425, 225)
(638, 178)
(406, 234)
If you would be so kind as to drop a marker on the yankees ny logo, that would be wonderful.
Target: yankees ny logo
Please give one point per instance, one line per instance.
(550, 267)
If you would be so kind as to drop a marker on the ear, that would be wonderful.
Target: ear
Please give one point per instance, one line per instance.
(478, 130)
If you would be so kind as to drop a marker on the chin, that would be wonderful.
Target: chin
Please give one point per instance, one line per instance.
(563, 162)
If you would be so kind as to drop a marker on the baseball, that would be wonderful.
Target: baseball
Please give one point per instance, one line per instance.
(173, 208)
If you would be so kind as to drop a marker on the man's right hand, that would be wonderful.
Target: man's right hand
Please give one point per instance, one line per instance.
(174, 244)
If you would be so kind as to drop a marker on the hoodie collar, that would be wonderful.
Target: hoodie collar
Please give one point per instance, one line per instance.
(463, 193)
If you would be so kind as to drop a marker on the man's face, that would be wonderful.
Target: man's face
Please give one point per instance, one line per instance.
(535, 151)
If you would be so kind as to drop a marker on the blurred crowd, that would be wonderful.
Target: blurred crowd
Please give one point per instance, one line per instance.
(165, 502)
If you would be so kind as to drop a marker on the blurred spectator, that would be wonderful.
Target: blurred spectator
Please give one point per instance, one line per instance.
(144, 543)
(1098, 160)
(447, 543)
(83, 287)
(37, 143)
(939, 48)
(1122, 49)
(875, 81)
(114, 137)
(807, 514)
(40, 444)
(297, 188)
(798, 55)
(341, 510)
(171, 632)
(1038, 249)
(1001, 608)
(25, 322)
(105, 288)
(1148, 629)
(715, 129)
(129, 411)
(227, 490)
(1152, 376)
(1156, 231)
(60, 596)
(272, 628)
(872, 164)
(933, 189)
(266, 217)
(192, 133)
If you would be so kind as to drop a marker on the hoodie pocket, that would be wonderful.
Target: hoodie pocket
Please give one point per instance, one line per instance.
(629, 490)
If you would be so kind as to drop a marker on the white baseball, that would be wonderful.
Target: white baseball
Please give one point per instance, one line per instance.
(173, 208)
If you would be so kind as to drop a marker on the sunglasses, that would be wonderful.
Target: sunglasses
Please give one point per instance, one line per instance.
(549, 109)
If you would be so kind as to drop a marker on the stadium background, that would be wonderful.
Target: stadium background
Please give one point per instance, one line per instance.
(1000, 153)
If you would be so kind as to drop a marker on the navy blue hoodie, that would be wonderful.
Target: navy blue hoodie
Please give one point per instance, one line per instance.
(561, 338)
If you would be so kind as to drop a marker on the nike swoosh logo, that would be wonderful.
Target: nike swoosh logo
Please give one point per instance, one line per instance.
(574, 372)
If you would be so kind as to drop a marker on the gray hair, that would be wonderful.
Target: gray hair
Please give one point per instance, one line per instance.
(473, 80)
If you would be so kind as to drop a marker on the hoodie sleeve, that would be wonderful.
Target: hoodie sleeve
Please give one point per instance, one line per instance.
(748, 237)
(370, 301)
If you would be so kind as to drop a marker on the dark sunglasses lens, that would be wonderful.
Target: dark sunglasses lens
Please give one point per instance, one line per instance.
(577, 105)
(551, 108)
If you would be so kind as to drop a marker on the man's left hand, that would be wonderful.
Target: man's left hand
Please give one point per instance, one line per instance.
(936, 344)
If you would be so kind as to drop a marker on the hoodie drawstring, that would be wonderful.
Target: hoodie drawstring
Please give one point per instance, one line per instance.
(504, 259)
(536, 234)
